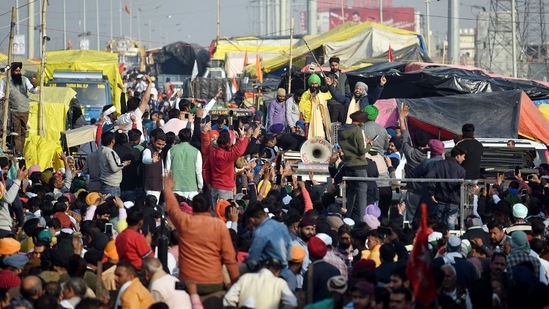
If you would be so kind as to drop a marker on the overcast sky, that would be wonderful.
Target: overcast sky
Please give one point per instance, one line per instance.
(167, 21)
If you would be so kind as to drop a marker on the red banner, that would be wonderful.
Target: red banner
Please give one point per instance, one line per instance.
(398, 17)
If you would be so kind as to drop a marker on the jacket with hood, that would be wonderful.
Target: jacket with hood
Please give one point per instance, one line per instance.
(352, 142)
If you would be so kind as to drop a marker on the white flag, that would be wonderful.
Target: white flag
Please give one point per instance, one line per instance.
(194, 74)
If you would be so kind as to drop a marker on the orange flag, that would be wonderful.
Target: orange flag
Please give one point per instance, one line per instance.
(127, 9)
(258, 71)
(390, 53)
(246, 58)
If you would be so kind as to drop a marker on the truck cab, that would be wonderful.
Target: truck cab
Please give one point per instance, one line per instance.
(93, 90)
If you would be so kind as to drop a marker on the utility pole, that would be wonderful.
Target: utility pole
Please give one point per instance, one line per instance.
(453, 32)
(514, 36)
(311, 16)
(428, 24)
(291, 47)
(31, 28)
(64, 24)
(381, 12)
(8, 75)
(218, 30)
(45, 39)
(97, 24)
(111, 17)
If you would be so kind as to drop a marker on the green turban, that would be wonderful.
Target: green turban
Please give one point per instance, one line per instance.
(372, 112)
(313, 78)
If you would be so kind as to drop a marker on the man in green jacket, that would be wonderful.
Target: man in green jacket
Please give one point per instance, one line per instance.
(354, 147)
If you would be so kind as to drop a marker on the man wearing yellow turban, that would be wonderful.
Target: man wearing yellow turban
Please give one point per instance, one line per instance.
(314, 109)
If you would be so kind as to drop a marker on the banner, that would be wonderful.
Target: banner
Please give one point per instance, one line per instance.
(398, 17)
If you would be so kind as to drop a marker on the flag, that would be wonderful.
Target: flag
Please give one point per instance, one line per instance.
(234, 85)
(194, 73)
(127, 9)
(420, 265)
(258, 72)
(390, 52)
(246, 58)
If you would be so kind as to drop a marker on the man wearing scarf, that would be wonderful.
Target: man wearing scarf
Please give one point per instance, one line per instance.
(20, 86)
(359, 99)
(314, 109)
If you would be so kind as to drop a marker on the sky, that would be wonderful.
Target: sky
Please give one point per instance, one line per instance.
(158, 23)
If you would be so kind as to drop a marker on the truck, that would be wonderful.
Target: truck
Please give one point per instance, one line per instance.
(130, 54)
(93, 90)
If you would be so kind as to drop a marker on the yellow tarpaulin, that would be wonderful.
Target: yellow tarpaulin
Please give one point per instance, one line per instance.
(86, 61)
(40, 150)
(351, 42)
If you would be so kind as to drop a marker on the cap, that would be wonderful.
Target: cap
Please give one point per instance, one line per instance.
(520, 211)
(92, 197)
(325, 238)
(454, 244)
(337, 284)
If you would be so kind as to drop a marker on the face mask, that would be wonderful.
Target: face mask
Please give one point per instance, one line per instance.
(344, 246)
(313, 89)
(157, 223)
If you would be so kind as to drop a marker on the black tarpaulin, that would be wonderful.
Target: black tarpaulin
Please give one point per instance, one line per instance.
(442, 81)
(494, 114)
(179, 58)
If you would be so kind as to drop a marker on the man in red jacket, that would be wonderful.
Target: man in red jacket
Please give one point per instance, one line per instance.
(220, 166)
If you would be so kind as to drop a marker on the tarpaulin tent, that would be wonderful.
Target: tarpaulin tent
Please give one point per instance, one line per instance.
(86, 61)
(41, 150)
(443, 81)
(504, 114)
(351, 42)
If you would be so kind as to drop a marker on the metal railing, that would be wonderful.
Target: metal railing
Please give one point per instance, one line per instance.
(462, 189)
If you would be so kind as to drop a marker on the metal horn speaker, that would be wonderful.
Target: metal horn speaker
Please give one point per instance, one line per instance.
(316, 150)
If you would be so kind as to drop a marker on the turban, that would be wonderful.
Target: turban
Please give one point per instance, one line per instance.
(297, 254)
(363, 86)
(110, 251)
(16, 65)
(281, 92)
(359, 116)
(436, 147)
(301, 124)
(8, 279)
(317, 248)
(307, 221)
(16, 261)
(92, 197)
(277, 128)
(9, 246)
(313, 78)
(220, 209)
(372, 112)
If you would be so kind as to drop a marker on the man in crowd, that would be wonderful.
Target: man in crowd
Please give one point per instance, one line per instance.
(185, 163)
(163, 286)
(204, 243)
(111, 166)
(19, 103)
(474, 150)
(131, 294)
(353, 146)
(359, 99)
(263, 289)
(153, 165)
(341, 84)
(131, 245)
(220, 165)
(292, 109)
(446, 195)
(277, 109)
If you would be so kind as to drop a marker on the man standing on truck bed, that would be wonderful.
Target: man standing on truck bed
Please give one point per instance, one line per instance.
(474, 150)
(19, 103)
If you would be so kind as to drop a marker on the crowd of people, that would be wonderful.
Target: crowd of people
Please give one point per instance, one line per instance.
(176, 209)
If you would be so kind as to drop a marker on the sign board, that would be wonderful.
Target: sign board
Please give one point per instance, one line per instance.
(19, 47)
(398, 17)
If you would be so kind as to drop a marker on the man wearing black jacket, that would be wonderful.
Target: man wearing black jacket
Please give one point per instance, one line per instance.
(447, 194)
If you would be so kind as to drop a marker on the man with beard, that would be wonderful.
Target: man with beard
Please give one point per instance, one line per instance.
(19, 105)
(314, 109)
(341, 84)
(359, 99)
(277, 109)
